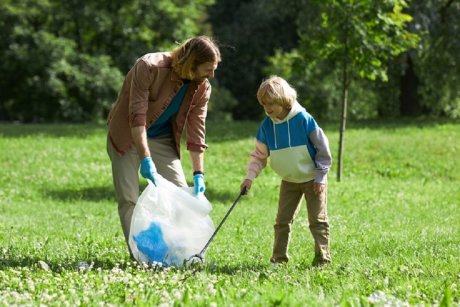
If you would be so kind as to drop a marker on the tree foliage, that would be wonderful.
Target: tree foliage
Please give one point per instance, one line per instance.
(250, 31)
(437, 58)
(65, 60)
(309, 60)
(45, 78)
(360, 36)
(347, 39)
(366, 34)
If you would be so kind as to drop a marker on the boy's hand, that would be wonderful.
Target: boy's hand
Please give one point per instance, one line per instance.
(319, 188)
(245, 186)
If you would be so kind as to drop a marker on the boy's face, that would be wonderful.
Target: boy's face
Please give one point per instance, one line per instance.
(275, 111)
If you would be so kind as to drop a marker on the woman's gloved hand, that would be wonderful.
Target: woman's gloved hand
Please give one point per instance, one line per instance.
(198, 183)
(148, 169)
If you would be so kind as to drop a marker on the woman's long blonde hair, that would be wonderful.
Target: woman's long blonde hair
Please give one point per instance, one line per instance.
(193, 52)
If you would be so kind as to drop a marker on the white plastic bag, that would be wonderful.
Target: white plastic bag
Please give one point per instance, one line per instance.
(169, 224)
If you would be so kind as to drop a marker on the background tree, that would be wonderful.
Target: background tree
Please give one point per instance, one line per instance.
(65, 60)
(436, 61)
(44, 78)
(125, 29)
(249, 32)
(361, 37)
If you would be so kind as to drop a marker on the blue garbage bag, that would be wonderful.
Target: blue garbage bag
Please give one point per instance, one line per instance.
(150, 242)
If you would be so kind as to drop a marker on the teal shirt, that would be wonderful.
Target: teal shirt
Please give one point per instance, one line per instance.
(162, 126)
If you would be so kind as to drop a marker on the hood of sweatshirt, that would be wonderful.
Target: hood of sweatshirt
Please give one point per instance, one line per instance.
(296, 108)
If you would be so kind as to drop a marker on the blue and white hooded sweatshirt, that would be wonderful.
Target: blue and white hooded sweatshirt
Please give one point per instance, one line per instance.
(297, 147)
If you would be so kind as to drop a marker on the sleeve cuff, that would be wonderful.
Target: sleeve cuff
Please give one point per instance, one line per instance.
(137, 120)
(251, 176)
(321, 178)
(197, 148)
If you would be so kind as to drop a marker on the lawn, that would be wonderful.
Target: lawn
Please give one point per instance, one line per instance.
(394, 218)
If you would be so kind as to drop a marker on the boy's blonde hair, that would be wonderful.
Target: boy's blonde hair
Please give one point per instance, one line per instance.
(193, 52)
(276, 90)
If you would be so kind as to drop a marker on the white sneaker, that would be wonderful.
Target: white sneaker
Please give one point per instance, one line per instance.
(278, 265)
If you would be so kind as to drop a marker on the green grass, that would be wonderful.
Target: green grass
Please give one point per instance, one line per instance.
(394, 223)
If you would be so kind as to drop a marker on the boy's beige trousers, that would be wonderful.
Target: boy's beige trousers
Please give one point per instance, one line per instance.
(125, 173)
(289, 200)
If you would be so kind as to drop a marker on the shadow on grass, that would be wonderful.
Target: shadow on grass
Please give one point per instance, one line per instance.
(238, 268)
(94, 194)
(230, 131)
(226, 198)
(12, 130)
(234, 268)
(60, 265)
(217, 131)
(107, 193)
(389, 123)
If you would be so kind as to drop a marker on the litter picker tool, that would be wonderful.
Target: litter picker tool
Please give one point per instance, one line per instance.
(199, 256)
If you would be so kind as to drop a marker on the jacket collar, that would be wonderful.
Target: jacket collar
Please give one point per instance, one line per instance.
(296, 108)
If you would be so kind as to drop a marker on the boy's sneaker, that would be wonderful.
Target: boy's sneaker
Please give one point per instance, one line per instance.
(278, 264)
(319, 262)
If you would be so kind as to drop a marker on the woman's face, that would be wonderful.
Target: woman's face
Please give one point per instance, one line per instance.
(205, 70)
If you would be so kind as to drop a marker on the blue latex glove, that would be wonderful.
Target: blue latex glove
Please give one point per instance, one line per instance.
(148, 169)
(199, 187)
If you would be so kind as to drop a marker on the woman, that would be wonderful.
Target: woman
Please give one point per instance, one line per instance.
(163, 94)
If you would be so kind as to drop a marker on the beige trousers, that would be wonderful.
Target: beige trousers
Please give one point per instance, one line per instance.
(289, 200)
(125, 173)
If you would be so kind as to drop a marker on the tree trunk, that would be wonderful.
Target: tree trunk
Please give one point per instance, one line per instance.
(409, 104)
(345, 84)
(444, 9)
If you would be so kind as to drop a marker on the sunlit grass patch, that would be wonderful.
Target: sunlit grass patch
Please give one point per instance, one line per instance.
(394, 224)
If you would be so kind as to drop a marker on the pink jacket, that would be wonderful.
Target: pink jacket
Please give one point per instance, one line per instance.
(147, 90)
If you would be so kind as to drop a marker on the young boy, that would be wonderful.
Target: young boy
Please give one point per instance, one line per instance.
(299, 153)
